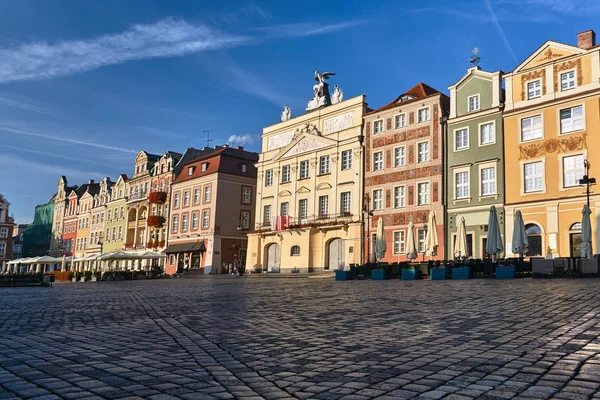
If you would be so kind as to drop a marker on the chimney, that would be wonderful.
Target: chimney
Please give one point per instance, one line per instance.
(239, 147)
(91, 182)
(586, 40)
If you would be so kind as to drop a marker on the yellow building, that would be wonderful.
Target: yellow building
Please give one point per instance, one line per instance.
(310, 172)
(551, 126)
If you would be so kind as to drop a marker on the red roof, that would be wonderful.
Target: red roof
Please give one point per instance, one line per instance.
(419, 92)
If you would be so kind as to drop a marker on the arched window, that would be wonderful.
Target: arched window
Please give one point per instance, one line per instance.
(295, 251)
(534, 236)
(575, 239)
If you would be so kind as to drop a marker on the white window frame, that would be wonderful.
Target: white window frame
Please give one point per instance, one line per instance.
(346, 160)
(175, 203)
(205, 219)
(427, 112)
(378, 164)
(483, 167)
(197, 196)
(267, 213)
(195, 220)
(2, 248)
(207, 193)
(419, 152)
(303, 209)
(478, 103)
(563, 171)
(285, 174)
(4, 233)
(269, 177)
(377, 126)
(377, 199)
(400, 196)
(304, 171)
(324, 165)
(460, 187)
(284, 209)
(480, 133)
(246, 194)
(323, 206)
(293, 253)
(186, 198)
(572, 120)
(428, 194)
(421, 237)
(532, 129)
(573, 81)
(524, 177)
(185, 219)
(539, 88)
(245, 219)
(464, 146)
(400, 118)
(399, 245)
(400, 160)
(345, 203)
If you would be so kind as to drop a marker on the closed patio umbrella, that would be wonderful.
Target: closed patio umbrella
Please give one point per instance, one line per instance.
(431, 240)
(460, 246)
(586, 233)
(380, 244)
(520, 243)
(411, 248)
(494, 245)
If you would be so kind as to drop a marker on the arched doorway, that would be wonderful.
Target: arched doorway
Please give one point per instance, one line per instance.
(534, 236)
(273, 257)
(575, 239)
(336, 254)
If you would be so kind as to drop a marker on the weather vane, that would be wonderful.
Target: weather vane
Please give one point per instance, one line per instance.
(475, 57)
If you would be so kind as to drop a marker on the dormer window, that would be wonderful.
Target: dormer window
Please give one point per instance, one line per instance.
(406, 97)
(191, 171)
(204, 167)
(244, 167)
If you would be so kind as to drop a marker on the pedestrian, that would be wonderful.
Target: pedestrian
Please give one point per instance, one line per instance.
(185, 269)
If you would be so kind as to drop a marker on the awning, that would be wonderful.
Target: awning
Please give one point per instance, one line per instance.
(184, 247)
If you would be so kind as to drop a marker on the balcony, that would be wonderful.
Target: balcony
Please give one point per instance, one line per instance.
(136, 196)
(313, 221)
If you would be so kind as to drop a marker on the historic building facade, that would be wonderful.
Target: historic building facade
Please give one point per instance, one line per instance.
(98, 217)
(114, 216)
(6, 233)
(211, 210)
(474, 158)
(309, 188)
(61, 205)
(403, 170)
(37, 238)
(84, 218)
(551, 127)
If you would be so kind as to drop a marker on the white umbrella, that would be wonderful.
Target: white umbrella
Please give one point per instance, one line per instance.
(460, 246)
(494, 245)
(431, 239)
(586, 233)
(63, 265)
(411, 249)
(380, 245)
(519, 238)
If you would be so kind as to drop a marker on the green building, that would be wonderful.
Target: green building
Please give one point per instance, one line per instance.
(116, 217)
(38, 235)
(474, 168)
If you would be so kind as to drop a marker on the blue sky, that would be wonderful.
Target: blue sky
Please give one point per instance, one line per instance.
(86, 84)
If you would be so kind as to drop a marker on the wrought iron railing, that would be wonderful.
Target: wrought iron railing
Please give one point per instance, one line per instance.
(141, 195)
(311, 221)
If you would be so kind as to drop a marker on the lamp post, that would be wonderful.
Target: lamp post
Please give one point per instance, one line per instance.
(240, 228)
(101, 243)
(367, 210)
(587, 181)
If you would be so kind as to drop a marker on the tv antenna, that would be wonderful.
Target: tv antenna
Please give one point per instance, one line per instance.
(208, 139)
(475, 57)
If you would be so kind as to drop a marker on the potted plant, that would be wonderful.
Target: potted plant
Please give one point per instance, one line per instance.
(410, 273)
(463, 272)
(440, 273)
(506, 271)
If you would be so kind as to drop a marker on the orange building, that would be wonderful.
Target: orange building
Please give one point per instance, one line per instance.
(551, 126)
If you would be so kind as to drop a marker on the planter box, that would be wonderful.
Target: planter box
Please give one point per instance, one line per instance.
(378, 275)
(410, 274)
(342, 275)
(589, 266)
(506, 272)
(461, 273)
(440, 274)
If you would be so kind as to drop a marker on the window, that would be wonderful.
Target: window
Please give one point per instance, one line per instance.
(399, 242)
(122, 212)
(244, 167)
(573, 170)
(323, 206)
(488, 181)
(175, 201)
(267, 214)
(462, 185)
(190, 171)
(534, 177)
(107, 233)
(205, 219)
(268, 177)
(303, 209)
(110, 215)
(204, 167)
(346, 159)
(421, 235)
(378, 199)
(323, 165)
(487, 134)
(534, 89)
(285, 174)
(207, 194)
(195, 220)
(345, 204)
(423, 115)
(400, 121)
(184, 222)
(400, 156)
(196, 196)
(245, 219)
(114, 233)
(3, 232)
(186, 199)
(567, 80)
(120, 233)
(246, 195)
(534, 237)
(462, 139)
(378, 126)
(2, 248)
(423, 193)
(531, 128)
(94, 219)
(378, 161)
(295, 251)
(473, 103)
(399, 197)
(423, 152)
(175, 223)
(304, 169)
(285, 209)
(571, 119)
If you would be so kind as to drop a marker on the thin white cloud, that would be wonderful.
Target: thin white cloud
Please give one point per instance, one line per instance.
(65, 140)
(307, 29)
(18, 102)
(53, 155)
(558, 6)
(240, 140)
(166, 38)
(499, 29)
(47, 169)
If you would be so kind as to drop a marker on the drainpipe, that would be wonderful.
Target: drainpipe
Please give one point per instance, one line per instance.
(444, 123)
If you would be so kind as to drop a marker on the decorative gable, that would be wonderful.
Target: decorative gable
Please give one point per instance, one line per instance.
(307, 143)
(548, 52)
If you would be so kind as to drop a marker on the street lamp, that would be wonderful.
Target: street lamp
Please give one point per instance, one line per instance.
(240, 228)
(367, 210)
(587, 181)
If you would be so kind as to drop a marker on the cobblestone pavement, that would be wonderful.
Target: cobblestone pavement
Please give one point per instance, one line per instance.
(222, 338)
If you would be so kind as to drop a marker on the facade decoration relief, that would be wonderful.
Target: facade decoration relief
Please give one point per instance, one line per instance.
(286, 114)
(308, 128)
(398, 176)
(338, 123)
(321, 95)
(549, 55)
(337, 96)
(554, 145)
(402, 136)
(435, 135)
(558, 68)
(531, 76)
(280, 140)
(306, 145)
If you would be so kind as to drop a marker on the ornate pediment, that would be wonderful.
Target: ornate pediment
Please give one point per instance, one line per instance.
(323, 186)
(303, 189)
(285, 193)
(549, 52)
(305, 142)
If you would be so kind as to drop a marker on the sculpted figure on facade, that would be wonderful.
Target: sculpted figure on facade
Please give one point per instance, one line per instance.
(286, 114)
(337, 96)
(320, 91)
